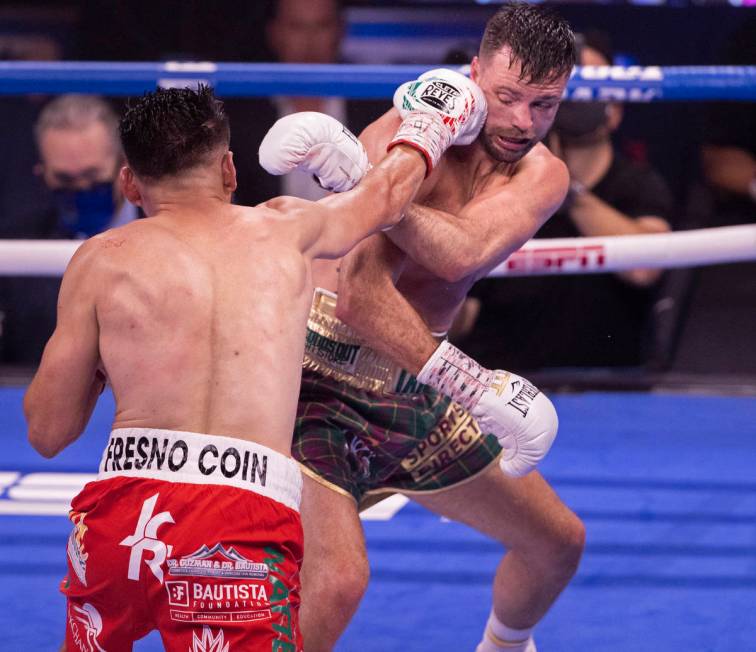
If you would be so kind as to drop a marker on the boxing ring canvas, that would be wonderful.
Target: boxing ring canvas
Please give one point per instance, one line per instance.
(665, 484)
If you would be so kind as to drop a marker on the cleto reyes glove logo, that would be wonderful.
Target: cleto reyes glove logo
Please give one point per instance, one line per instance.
(440, 95)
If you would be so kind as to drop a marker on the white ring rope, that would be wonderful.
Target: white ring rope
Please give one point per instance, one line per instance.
(727, 244)
(618, 253)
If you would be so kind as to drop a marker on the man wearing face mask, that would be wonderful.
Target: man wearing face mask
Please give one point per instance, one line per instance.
(80, 157)
(610, 195)
(607, 315)
(79, 160)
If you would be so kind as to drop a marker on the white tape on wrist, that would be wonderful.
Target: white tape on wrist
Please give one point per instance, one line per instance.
(457, 375)
(427, 133)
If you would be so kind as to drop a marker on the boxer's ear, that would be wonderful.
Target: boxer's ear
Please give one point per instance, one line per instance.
(128, 186)
(475, 69)
(228, 170)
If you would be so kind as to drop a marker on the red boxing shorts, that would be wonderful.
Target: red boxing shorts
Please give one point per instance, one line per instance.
(197, 536)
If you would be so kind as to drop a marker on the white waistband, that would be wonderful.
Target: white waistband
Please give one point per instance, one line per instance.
(196, 458)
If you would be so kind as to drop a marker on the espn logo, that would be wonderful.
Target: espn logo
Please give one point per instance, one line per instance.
(556, 259)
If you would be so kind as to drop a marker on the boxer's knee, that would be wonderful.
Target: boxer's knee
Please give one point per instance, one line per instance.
(349, 583)
(338, 580)
(561, 548)
(572, 543)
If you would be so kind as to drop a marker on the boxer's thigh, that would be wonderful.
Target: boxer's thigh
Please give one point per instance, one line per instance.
(232, 575)
(333, 536)
(518, 512)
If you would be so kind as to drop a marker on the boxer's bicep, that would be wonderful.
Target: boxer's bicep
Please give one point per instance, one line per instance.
(487, 229)
(502, 220)
(64, 390)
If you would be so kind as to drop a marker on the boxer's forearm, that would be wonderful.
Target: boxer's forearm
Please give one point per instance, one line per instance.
(370, 303)
(489, 227)
(395, 180)
(376, 203)
(438, 241)
(390, 325)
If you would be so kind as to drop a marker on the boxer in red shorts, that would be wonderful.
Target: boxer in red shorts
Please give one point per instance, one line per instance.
(197, 316)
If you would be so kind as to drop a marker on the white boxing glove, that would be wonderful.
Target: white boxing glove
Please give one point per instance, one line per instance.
(317, 144)
(446, 91)
(440, 109)
(504, 404)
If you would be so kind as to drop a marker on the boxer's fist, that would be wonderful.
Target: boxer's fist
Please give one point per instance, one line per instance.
(440, 109)
(317, 144)
(522, 418)
(504, 404)
(457, 98)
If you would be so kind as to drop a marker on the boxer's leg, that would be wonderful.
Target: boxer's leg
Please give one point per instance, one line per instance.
(335, 571)
(543, 537)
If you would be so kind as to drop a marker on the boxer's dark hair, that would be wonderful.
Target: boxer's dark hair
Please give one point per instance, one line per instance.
(540, 39)
(168, 131)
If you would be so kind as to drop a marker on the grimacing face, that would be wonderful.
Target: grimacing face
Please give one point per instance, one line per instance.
(520, 113)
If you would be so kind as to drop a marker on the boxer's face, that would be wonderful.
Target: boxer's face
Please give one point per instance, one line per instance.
(520, 112)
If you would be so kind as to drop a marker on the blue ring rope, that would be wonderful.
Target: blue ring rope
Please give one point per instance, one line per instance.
(627, 84)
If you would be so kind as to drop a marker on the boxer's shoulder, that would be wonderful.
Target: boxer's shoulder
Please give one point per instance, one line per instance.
(541, 160)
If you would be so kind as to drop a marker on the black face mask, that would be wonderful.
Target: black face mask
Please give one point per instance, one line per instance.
(85, 212)
(576, 120)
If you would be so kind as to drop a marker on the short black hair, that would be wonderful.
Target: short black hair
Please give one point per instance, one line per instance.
(540, 39)
(171, 130)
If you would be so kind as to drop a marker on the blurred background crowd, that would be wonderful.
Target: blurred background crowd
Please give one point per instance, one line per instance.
(635, 168)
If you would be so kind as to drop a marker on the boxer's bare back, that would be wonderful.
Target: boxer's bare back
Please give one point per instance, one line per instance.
(190, 304)
(196, 314)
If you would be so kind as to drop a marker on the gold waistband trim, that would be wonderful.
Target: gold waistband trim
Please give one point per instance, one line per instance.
(333, 349)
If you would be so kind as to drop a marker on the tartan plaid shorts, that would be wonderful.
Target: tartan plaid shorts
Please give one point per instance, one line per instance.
(361, 443)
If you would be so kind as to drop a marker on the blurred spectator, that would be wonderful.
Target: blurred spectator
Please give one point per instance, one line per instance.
(80, 157)
(167, 30)
(609, 195)
(298, 31)
(79, 160)
(729, 151)
(568, 321)
(26, 34)
(722, 299)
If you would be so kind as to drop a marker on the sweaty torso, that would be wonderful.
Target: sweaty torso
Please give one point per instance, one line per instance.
(452, 185)
(201, 322)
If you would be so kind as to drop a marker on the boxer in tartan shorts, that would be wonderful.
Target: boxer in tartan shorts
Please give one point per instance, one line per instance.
(367, 428)
(360, 433)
